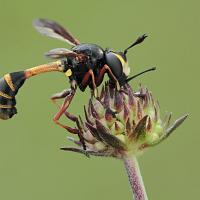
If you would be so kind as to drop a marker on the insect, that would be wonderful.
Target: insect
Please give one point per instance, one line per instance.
(84, 64)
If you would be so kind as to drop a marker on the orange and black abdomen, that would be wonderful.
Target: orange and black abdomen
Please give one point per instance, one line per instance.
(9, 86)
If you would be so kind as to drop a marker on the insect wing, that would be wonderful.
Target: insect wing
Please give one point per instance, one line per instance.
(54, 30)
(60, 53)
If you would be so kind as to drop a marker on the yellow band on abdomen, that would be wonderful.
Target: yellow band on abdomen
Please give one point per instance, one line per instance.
(5, 106)
(8, 80)
(5, 95)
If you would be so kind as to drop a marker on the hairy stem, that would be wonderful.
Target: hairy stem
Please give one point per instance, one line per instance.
(135, 178)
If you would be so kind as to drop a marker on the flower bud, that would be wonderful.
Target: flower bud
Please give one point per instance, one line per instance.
(120, 123)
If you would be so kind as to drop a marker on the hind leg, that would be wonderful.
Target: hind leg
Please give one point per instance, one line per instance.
(68, 95)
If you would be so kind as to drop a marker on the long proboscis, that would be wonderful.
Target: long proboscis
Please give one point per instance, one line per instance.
(148, 70)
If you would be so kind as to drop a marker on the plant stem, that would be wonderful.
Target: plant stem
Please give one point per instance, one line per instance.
(135, 178)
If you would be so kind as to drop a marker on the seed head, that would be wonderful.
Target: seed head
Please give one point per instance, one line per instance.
(122, 123)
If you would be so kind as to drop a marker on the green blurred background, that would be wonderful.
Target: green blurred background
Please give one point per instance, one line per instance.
(31, 164)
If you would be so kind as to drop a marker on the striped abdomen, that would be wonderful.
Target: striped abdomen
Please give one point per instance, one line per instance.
(9, 86)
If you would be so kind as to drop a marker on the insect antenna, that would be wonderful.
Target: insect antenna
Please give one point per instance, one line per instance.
(129, 79)
(138, 41)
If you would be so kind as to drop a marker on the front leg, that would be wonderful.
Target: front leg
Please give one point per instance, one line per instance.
(106, 69)
(90, 75)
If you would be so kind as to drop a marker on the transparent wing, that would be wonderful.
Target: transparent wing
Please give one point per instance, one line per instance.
(54, 30)
(60, 53)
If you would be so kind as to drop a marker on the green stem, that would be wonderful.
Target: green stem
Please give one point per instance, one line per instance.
(135, 178)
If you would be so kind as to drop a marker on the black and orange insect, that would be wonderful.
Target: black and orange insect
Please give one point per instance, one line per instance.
(85, 65)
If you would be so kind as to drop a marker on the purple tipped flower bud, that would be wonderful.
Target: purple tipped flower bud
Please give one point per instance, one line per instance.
(121, 123)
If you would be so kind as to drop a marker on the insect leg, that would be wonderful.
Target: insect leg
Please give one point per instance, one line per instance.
(68, 98)
(107, 69)
(86, 79)
(63, 94)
